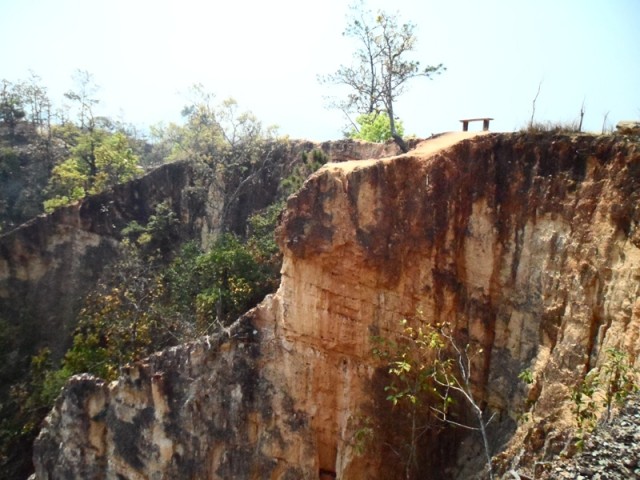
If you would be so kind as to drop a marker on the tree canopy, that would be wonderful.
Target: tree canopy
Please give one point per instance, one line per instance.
(98, 157)
(98, 161)
(233, 144)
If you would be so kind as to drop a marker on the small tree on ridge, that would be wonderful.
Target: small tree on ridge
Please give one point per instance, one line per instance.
(381, 69)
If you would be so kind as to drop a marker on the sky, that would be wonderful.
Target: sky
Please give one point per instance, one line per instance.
(145, 54)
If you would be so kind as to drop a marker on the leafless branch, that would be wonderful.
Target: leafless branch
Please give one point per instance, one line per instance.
(533, 108)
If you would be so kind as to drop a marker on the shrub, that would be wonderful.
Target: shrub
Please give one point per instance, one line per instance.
(375, 127)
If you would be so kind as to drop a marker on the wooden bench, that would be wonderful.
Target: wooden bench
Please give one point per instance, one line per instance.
(485, 123)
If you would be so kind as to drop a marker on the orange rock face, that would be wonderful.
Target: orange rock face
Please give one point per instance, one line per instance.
(528, 245)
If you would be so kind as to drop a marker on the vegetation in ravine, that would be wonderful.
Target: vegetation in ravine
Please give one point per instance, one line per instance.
(143, 304)
(160, 292)
(429, 385)
(601, 389)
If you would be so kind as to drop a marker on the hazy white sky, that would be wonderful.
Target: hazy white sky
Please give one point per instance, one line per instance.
(145, 54)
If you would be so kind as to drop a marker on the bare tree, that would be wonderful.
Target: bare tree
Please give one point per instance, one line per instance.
(453, 373)
(604, 122)
(581, 116)
(533, 106)
(84, 98)
(234, 144)
(363, 77)
(381, 69)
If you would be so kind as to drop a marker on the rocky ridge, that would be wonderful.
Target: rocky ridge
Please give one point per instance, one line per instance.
(527, 244)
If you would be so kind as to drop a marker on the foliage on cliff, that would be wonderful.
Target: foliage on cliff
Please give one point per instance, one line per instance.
(143, 304)
(375, 127)
(234, 144)
(97, 161)
(48, 159)
(430, 385)
(160, 292)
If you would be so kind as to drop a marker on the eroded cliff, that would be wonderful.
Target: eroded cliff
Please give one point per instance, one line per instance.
(527, 244)
(49, 264)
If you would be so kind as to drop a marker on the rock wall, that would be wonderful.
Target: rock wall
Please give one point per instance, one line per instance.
(527, 244)
(219, 417)
(49, 264)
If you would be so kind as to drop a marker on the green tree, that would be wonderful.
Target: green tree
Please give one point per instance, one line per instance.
(410, 388)
(154, 297)
(236, 279)
(375, 127)
(620, 378)
(602, 386)
(115, 162)
(11, 106)
(21, 413)
(585, 405)
(431, 372)
(129, 314)
(99, 160)
(66, 185)
(381, 69)
(123, 319)
(233, 144)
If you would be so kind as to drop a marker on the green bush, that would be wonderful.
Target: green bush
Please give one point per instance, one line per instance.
(375, 127)
(236, 280)
(311, 162)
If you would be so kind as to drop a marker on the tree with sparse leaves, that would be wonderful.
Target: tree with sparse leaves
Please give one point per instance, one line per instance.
(430, 375)
(11, 106)
(234, 144)
(381, 69)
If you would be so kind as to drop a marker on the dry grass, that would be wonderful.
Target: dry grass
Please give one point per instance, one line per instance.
(552, 127)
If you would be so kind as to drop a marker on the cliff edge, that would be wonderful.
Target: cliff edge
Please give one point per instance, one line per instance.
(527, 244)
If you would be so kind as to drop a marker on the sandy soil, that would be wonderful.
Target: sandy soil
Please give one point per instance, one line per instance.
(424, 148)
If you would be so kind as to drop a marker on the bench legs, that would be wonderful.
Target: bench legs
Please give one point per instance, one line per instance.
(485, 124)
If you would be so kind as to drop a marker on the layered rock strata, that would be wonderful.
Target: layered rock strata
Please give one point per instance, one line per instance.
(527, 244)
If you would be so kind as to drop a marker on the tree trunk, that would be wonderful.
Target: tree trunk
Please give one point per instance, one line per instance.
(400, 142)
(392, 125)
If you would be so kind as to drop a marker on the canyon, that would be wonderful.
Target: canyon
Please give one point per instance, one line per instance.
(49, 264)
(526, 244)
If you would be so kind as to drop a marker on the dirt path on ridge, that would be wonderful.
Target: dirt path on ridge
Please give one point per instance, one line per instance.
(424, 149)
